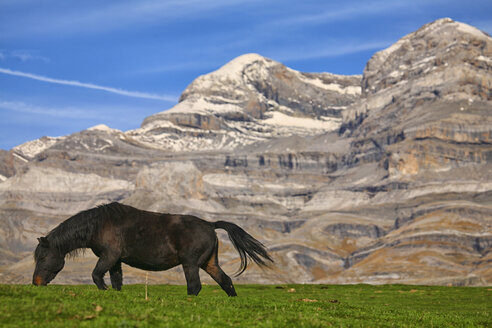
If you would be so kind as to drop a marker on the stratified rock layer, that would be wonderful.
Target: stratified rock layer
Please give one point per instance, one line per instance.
(384, 178)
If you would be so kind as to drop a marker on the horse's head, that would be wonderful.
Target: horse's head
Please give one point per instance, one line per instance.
(49, 262)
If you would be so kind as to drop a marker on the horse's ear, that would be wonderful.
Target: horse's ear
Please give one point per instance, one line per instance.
(43, 241)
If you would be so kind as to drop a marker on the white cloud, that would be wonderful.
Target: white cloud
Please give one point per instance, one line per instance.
(192, 65)
(22, 55)
(90, 16)
(136, 94)
(25, 56)
(67, 112)
(332, 50)
(348, 11)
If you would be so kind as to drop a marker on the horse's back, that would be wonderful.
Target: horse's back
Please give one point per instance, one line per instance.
(145, 225)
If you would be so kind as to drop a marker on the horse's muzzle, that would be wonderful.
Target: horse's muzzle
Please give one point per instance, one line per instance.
(38, 281)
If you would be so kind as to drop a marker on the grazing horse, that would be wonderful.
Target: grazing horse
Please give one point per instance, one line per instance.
(119, 233)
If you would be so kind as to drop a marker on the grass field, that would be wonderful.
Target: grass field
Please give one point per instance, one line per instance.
(256, 306)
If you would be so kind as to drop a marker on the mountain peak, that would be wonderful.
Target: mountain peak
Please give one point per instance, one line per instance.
(448, 23)
(238, 64)
(443, 29)
(232, 79)
(102, 127)
(432, 49)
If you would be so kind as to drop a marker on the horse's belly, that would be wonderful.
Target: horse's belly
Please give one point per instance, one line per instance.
(150, 265)
(156, 259)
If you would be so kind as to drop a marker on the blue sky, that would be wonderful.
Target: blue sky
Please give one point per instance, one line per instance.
(66, 65)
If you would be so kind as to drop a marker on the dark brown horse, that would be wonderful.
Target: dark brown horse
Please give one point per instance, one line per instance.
(118, 233)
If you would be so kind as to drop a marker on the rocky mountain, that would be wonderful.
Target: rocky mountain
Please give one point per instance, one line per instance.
(379, 178)
(250, 99)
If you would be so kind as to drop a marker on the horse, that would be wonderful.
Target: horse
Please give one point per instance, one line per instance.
(119, 233)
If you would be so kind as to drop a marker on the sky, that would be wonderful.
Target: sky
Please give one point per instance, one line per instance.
(67, 65)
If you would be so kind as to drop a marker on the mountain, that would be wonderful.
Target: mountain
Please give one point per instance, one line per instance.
(379, 178)
(250, 99)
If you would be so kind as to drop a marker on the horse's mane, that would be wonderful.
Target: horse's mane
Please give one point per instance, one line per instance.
(68, 235)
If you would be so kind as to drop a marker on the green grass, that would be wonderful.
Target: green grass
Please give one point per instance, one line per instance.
(256, 306)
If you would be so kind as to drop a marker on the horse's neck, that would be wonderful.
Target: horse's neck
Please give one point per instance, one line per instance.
(71, 245)
(74, 246)
(73, 234)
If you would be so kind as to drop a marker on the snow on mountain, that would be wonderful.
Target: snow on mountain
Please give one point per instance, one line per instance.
(251, 98)
(31, 148)
(103, 127)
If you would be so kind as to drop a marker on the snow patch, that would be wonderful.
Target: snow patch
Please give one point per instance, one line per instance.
(202, 106)
(485, 59)
(2, 178)
(238, 64)
(280, 119)
(424, 61)
(395, 74)
(350, 90)
(32, 148)
(155, 124)
(20, 157)
(102, 127)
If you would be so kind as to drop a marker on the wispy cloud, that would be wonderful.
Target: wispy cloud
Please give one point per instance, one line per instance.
(348, 11)
(21, 55)
(67, 112)
(333, 50)
(26, 56)
(135, 94)
(85, 17)
(184, 66)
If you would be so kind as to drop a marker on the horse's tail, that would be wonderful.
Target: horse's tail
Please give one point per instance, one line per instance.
(245, 244)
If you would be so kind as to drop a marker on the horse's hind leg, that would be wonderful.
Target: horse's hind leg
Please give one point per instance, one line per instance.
(213, 269)
(116, 275)
(192, 279)
(103, 265)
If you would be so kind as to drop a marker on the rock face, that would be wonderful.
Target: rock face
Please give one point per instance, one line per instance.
(380, 178)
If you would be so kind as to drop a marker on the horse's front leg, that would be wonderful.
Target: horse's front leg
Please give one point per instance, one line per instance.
(116, 275)
(103, 265)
